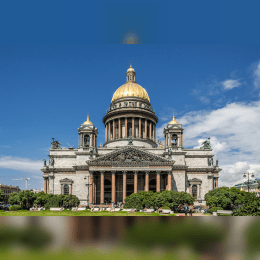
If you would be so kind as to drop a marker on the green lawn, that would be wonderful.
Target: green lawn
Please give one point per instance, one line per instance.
(76, 213)
(115, 253)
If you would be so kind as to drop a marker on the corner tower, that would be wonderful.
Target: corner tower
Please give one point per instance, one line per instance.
(130, 116)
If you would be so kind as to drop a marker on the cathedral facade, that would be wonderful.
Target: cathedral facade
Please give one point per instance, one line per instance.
(130, 160)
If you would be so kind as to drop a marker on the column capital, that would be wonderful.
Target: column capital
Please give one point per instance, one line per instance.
(124, 172)
(147, 172)
(91, 172)
(158, 172)
(169, 172)
(52, 177)
(102, 172)
(135, 172)
(113, 172)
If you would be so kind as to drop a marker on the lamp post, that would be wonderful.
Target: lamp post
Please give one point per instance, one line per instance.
(88, 185)
(252, 175)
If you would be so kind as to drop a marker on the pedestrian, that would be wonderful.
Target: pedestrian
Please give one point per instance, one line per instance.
(191, 209)
(185, 209)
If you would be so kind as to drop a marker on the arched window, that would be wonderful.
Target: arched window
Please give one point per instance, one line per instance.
(66, 189)
(129, 128)
(86, 141)
(174, 140)
(194, 191)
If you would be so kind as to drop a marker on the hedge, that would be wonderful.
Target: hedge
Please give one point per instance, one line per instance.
(15, 207)
(214, 209)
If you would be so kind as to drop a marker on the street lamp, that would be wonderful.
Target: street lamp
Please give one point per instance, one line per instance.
(88, 185)
(252, 175)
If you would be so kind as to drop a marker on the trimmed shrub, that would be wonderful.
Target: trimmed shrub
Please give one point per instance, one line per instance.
(214, 209)
(165, 207)
(15, 207)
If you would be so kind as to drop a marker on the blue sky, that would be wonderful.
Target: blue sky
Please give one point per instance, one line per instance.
(60, 61)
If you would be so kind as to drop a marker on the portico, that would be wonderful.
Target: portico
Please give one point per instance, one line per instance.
(129, 170)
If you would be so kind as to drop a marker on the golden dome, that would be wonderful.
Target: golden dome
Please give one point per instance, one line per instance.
(130, 89)
(87, 122)
(173, 121)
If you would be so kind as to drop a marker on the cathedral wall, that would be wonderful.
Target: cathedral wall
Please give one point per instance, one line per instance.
(197, 152)
(81, 190)
(178, 180)
(179, 159)
(197, 162)
(63, 152)
(81, 159)
(64, 162)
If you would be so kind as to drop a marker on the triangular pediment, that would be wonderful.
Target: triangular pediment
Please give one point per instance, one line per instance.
(130, 155)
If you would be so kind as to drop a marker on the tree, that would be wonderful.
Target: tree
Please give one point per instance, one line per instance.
(250, 209)
(70, 200)
(14, 198)
(229, 198)
(26, 198)
(1, 195)
(41, 198)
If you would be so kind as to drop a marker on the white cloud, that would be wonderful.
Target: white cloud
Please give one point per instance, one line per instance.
(231, 83)
(20, 164)
(257, 76)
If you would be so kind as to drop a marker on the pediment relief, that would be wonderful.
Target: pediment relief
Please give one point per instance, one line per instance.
(130, 155)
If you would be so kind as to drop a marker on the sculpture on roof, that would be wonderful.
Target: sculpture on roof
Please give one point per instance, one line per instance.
(206, 144)
(55, 144)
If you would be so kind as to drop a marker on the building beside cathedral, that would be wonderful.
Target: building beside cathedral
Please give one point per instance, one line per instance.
(130, 160)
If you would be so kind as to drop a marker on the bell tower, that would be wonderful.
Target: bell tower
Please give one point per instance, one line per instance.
(87, 135)
(173, 134)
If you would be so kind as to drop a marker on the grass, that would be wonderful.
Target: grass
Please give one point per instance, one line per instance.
(76, 213)
(115, 253)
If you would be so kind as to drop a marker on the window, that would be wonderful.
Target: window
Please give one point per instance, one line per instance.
(66, 189)
(129, 129)
(194, 191)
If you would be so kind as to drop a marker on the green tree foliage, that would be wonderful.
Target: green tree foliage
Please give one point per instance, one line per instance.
(171, 199)
(14, 198)
(249, 209)
(228, 198)
(1, 195)
(57, 201)
(28, 199)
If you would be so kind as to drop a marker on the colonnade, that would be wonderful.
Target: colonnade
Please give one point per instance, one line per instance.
(130, 126)
(97, 184)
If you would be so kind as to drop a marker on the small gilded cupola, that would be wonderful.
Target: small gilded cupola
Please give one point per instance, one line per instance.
(130, 74)
(87, 135)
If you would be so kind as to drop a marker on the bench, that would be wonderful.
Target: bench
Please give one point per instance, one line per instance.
(117, 209)
(55, 209)
(83, 208)
(96, 209)
(166, 211)
(149, 211)
(224, 212)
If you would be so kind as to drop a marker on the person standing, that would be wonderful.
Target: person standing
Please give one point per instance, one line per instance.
(185, 209)
(191, 209)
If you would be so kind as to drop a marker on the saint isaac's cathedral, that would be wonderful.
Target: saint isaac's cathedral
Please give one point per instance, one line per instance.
(130, 160)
